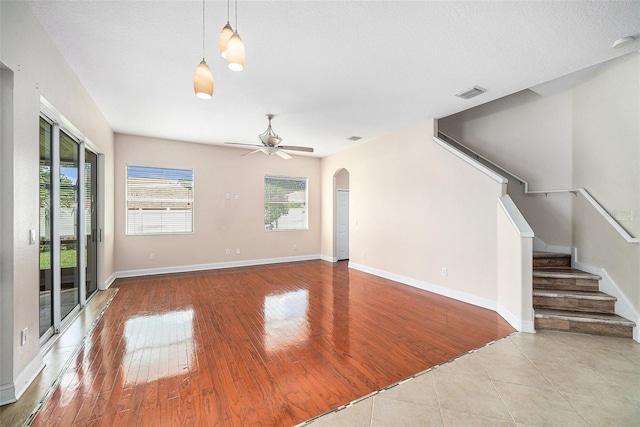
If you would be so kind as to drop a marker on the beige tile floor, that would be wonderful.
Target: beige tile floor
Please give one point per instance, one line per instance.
(543, 379)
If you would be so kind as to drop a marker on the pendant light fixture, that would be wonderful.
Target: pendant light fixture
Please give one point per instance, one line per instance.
(235, 49)
(225, 35)
(202, 78)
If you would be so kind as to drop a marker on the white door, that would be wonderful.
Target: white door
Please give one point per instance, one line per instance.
(342, 224)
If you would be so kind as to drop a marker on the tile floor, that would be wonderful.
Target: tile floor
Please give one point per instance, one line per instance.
(548, 378)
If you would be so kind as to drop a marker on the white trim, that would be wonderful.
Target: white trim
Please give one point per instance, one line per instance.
(9, 393)
(515, 216)
(540, 246)
(328, 258)
(476, 164)
(517, 323)
(426, 286)
(575, 191)
(623, 306)
(104, 286)
(212, 266)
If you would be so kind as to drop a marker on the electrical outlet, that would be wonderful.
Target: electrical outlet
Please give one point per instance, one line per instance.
(364, 254)
(237, 251)
(237, 197)
(295, 247)
(444, 271)
(152, 257)
(23, 337)
(228, 251)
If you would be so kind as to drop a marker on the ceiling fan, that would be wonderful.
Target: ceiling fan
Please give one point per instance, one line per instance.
(271, 143)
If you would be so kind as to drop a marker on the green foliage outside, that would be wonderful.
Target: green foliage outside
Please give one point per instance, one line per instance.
(67, 259)
(276, 192)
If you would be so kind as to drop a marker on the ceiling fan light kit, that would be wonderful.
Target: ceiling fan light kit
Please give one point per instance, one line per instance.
(271, 143)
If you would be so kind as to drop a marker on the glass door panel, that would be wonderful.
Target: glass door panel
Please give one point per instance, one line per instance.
(46, 275)
(68, 225)
(91, 221)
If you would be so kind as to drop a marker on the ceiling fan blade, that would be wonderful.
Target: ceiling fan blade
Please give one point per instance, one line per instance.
(251, 152)
(295, 148)
(243, 144)
(283, 154)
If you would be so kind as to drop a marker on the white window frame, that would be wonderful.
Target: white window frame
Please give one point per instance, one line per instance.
(154, 230)
(305, 220)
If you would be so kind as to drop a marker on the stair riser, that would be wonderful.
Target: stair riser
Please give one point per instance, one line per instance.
(574, 304)
(552, 262)
(585, 328)
(566, 284)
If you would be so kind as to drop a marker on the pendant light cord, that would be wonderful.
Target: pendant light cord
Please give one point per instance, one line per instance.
(228, 10)
(236, 16)
(203, 34)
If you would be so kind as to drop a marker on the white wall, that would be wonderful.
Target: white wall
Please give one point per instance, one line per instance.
(606, 161)
(529, 135)
(586, 136)
(38, 70)
(414, 209)
(219, 223)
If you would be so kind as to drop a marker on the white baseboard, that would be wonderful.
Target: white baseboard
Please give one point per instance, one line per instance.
(623, 306)
(328, 258)
(104, 286)
(540, 246)
(518, 324)
(426, 286)
(9, 393)
(212, 266)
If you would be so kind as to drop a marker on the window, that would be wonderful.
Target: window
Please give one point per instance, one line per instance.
(285, 203)
(159, 200)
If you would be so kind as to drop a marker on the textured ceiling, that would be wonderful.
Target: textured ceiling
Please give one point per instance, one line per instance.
(327, 69)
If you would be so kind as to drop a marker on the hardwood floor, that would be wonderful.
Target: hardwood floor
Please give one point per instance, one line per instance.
(269, 345)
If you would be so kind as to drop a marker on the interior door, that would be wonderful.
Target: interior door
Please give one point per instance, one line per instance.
(342, 224)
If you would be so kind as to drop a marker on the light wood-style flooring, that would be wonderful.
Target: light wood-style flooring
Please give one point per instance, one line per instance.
(268, 345)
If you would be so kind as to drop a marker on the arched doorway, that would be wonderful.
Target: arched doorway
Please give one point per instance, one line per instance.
(341, 226)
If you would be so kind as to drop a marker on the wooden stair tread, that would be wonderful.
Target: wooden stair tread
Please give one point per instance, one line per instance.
(612, 319)
(540, 254)
(563, 273)
(591, 295)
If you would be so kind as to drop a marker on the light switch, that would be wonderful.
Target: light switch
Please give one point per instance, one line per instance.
(32, 237)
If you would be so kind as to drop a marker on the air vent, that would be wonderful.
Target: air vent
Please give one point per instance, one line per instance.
(468, 94)
(354, 138)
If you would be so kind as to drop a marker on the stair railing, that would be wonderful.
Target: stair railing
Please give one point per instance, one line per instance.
(575, 191)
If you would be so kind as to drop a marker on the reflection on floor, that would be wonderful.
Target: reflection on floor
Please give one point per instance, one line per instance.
(57, 354)
(282, 319)
(548, 378)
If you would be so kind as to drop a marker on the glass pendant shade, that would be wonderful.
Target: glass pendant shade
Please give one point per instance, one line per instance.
(203, 81)
(235, 53)
(225, 35)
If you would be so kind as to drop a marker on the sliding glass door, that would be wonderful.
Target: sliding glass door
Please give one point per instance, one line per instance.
(68, 226)
(46, 230)
(91, 221)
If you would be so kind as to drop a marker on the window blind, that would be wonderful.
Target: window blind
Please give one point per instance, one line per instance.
(285, 203)
(159, 200)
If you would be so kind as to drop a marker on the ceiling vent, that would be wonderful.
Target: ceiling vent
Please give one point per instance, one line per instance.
(354, 138)
(468, 94)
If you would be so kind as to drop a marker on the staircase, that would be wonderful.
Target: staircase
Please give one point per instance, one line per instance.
(566, 299)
